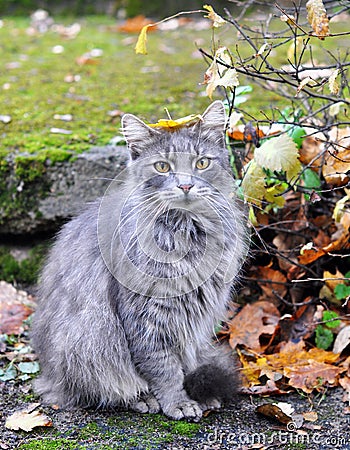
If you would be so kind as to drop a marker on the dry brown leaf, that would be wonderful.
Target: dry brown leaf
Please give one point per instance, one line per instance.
(311, 151)
(270, 388)
(317, 17)
(310, 255)
(250, 374)
(313, 375)
(251, 322)
(337, 161)
(27, 419)
(336, 168)
(306, 370)
(278, 283)
(274, 411)
(299, 325)
(15, 307)
(310, 416)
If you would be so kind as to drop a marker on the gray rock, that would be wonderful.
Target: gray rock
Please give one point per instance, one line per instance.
(41, 205)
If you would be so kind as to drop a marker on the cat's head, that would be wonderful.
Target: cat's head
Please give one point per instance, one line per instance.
(179, 165)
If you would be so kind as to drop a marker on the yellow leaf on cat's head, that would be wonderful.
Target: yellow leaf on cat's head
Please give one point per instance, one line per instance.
(172, 125)
(218, 21)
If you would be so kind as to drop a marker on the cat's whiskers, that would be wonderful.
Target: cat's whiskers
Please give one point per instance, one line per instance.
(145, 225)
(129, 218)
(223, 211)
(141, 201)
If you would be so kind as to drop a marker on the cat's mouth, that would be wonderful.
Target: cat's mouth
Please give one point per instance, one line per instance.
(180, 195)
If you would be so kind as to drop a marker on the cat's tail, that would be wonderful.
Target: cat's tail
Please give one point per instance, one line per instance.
(210, 382)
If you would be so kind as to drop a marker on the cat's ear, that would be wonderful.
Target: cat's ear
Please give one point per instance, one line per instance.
(212, 125)
(137, 134)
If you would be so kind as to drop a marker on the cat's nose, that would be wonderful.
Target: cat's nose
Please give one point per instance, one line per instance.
(185, 187)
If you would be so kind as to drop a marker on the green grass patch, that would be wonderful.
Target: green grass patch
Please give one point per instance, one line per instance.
(50, 444)
(25, 271)
(128, 432)
(33, 89)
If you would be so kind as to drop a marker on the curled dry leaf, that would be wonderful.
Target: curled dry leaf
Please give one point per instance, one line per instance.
(342, 340)
(317, 17)
(277, 411)
(141, 44)
(217, 20)
(218, 74)
(28, 419)
(311, 152)
(332, 82)
(306, 81)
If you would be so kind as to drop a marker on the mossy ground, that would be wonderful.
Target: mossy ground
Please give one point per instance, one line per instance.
(24, 271)
(34, 87)
(129, 432)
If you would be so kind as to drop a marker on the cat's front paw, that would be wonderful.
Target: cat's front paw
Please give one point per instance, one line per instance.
(147, 403)
(186, 409)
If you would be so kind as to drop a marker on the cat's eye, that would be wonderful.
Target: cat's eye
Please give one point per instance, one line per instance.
(203, 163)
(162, 167)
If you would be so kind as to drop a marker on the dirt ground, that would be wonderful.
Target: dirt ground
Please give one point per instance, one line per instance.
(238, 426)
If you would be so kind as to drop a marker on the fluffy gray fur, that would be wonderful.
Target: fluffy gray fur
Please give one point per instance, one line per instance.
(106, 337)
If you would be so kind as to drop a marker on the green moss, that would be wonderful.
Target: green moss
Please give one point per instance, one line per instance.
(23, 272)
(50, 444)
(29, 168)
(121, 80)
(184, 428)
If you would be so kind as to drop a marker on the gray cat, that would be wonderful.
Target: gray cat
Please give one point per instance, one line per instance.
(135, 285)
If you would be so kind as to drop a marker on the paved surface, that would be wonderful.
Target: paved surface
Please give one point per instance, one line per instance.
(238, 426)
